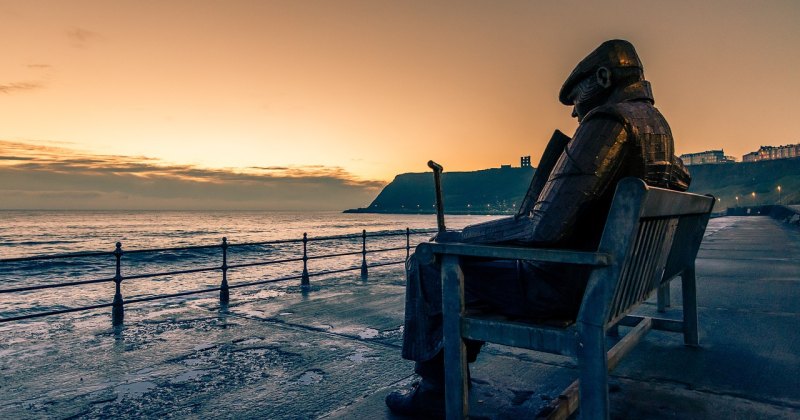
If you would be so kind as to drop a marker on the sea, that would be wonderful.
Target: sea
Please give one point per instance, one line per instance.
(42, 233)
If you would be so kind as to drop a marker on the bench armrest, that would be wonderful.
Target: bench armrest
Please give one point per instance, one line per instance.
(427, 250)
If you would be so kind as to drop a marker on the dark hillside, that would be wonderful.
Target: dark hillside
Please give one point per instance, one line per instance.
(730, 180)
(501, 190)
(485, 191)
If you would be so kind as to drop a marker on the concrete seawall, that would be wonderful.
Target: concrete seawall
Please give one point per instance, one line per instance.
(786, 214)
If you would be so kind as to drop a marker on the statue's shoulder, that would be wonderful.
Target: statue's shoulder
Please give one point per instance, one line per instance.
(624, 112)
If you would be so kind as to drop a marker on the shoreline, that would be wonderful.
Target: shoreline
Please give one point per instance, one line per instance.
(429, 212)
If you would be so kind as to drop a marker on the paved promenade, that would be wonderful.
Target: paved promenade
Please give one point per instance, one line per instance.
(334, 352)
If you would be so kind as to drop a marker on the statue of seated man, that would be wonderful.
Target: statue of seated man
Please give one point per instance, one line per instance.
(620, 134)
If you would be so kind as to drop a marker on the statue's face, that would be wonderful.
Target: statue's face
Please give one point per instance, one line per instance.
(590, 93)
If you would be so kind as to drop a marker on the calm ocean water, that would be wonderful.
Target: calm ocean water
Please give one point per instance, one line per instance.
(27, 233)
(30, 233)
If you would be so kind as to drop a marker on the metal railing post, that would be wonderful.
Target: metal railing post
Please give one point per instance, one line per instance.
(364, 273)
(408, 243)
(117, 308)
(224, 294)
(304, 283)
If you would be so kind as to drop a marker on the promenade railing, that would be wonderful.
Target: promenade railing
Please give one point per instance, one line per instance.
(118, 303)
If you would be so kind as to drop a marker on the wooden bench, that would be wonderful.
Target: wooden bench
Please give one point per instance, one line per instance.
(651, 236)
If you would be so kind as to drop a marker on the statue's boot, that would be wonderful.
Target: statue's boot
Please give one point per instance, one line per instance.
(425, 398)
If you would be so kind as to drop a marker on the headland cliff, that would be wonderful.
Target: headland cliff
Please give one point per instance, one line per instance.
(500, 190)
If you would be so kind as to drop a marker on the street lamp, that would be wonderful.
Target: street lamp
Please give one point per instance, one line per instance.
(754, 197)
(737, 201)
(779, 195)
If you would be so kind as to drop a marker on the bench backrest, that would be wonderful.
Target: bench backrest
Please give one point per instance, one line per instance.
(653, 234)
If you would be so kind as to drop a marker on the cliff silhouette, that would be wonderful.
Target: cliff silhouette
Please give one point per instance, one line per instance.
(488, 191)
(499, 191)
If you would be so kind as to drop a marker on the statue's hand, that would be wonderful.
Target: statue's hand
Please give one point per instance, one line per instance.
(447, 236)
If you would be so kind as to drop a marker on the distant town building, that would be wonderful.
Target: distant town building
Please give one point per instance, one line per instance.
(710, 156)
(505, 166)
(772, 153)
(750, 157)
(525, 162)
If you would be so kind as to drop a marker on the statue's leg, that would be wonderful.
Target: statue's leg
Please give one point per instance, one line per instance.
(422, 342)
(422, 332)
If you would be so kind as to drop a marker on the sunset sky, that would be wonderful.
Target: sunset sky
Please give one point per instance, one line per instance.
(318, 104)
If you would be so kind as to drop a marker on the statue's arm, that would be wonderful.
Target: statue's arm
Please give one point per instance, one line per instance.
(500, 230)
(558, 142)
(679, 178)
(494, 231)
(583, 173)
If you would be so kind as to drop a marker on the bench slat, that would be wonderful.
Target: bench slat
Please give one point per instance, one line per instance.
(652, 257)
(427, 249)
(661, 324)
(643, 269)
(638, 264)
(520, 334)
(662, 202)
(630, 270)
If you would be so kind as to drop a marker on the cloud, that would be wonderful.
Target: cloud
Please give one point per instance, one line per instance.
(41, 70)
(15, 158)
(8, 88)
(39, 176)
(80, 37)
(270, 168)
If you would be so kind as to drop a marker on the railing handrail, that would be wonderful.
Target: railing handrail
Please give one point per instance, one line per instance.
(85, 254)
(118, 303)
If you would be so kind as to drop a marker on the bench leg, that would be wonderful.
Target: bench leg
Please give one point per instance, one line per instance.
(663, 297)
(689, 289)
(593, 373)
(455, 352)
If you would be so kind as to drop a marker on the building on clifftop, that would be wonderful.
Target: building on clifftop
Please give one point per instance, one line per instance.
(772, 153)
(710, 156)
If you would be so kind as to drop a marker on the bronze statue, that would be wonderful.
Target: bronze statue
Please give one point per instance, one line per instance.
(620, 134)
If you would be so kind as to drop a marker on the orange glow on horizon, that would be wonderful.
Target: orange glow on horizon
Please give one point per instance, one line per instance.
(377, 89)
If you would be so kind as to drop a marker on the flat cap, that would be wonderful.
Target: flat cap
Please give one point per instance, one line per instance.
(616, 53)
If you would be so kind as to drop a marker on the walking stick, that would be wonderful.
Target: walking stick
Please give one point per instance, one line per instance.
(437, 181)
